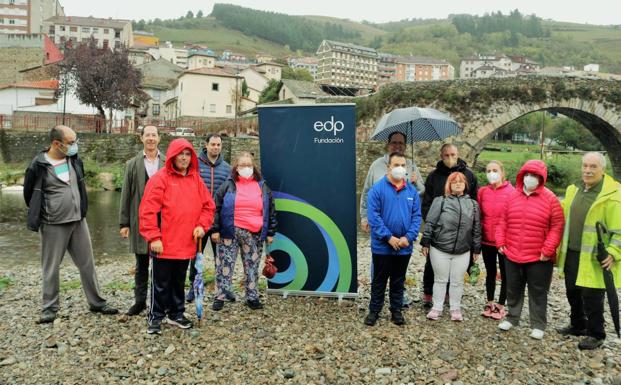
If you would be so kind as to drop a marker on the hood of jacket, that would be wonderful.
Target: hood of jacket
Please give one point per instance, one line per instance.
(175, 148)
(459, 167)
(533, 167)
(205, 158)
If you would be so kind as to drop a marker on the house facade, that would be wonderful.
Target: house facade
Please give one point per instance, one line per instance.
(69, 31)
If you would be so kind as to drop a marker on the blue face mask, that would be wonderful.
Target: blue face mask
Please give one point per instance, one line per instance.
(73, 149)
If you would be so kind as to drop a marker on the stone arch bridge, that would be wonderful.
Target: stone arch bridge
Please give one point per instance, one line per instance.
(483, 106)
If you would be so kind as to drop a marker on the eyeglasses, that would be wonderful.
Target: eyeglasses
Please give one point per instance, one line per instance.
(76, 141)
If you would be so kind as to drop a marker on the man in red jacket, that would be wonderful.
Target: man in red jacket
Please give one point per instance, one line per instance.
(175, 212)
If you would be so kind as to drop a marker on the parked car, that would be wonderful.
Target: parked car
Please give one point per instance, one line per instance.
(183, 131)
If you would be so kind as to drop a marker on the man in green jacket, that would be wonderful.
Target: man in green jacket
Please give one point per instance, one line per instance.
(137, 171)
(596, 198)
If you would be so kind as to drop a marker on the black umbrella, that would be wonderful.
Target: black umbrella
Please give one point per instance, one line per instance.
(613, 300)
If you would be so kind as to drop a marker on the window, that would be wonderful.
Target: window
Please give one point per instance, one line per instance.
(106, 30)
(86, 29)
(117, 44)
(105, 43)
(215, 86)
(11, 21)
(73, 29)
(62, 28)
(117, 34)
(51, 32)
(212, 108)
(229, 108)
(155, 109)
(95, 29)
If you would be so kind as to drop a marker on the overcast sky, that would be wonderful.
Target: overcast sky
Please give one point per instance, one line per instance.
(591, 11)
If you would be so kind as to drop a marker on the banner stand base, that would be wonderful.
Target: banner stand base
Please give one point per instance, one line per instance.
(305, 293)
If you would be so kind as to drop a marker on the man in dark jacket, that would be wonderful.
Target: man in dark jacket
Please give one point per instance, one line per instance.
(138, 170)
(55, 194)
(214, 171)
(434, 187)
(393, 212)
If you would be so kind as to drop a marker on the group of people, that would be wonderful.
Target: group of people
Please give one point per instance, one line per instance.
(173, 205)
(521, 230)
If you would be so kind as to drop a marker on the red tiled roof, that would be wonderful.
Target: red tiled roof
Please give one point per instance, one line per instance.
(51, 84)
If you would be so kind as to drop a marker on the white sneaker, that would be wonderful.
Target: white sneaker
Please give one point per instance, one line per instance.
(505, 325)
(536, 334)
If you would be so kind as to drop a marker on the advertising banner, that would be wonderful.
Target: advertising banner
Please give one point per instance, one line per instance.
(308, 158)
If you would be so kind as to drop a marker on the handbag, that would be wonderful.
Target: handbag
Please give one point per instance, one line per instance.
(270, 269)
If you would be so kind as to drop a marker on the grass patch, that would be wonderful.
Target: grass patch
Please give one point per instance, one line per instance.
(70, 285)
(120, 285)
(11, 173)
(5, 282)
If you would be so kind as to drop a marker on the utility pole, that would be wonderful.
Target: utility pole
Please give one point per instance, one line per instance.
(543, 119)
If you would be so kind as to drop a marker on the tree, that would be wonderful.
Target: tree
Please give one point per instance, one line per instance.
(296, 74)
(102, 78)
(189, 15)
(270, 93)
(244, 89)
(199, 14)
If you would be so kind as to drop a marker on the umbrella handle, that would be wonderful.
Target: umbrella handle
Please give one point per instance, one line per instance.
(602, 231)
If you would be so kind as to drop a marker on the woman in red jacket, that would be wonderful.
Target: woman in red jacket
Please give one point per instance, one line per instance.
(492, 199)
(528, 232)
(175, 212)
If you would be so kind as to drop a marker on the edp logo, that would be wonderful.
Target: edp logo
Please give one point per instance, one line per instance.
(329, 126)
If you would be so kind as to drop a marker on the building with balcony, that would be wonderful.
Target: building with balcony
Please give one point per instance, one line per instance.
(68, 31)
(347, 65)
(27, 16)
(419, 68)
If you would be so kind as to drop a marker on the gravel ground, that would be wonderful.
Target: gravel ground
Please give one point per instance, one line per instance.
(292, 341)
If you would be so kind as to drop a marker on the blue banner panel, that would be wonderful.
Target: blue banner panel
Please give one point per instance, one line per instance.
(308, 158)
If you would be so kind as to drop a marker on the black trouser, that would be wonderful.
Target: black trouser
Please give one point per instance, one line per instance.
(586, 304)
(538, 277)
(386, 267)
(490, 253)
(167, 288)
(204, 240)
(141, 278)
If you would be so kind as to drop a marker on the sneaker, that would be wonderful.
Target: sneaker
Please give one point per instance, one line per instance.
(136, 309)
(487, 311)
(571, 331)
(189, 298)
(181, 322)
(254, 304)
(434, 314)
(456, 316)
(505, 325)
(105, 309)
(499, 312)
(230, 297)
(537, 334)
(47, 316)
(371, 318)
(590, 343)
(397, 318)
(217, 304)
(154, 327)
(427, 301)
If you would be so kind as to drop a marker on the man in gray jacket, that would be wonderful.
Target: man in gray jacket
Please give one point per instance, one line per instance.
(137, 171)
(55, 193)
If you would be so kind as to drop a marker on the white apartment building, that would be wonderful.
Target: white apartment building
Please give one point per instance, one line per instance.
(347, 65)
(469, 65)
(177, 56)
(72, 30)
(27, 16)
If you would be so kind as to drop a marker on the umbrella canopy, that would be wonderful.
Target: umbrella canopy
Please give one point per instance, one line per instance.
(198, 285)
(611, 291)
(417, 124)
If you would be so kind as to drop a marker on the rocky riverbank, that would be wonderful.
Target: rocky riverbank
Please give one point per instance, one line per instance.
(292, 341)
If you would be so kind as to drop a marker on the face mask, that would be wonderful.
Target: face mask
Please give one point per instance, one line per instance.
(72, 150)
(245, 172)
(531, 182)
(398, 173)
(450, 162)
(493, 177)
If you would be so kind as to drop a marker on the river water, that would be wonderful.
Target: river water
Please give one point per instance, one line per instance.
(18, 244)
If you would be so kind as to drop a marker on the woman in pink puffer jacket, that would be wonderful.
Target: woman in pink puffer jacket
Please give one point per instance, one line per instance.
(528, 232)
(492, 199)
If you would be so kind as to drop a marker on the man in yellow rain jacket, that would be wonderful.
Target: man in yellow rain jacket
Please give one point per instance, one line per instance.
(596, 198)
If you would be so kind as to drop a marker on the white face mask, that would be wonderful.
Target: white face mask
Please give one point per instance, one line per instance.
(398, 173)
(493, 177)
(245, 172)
(531, 182)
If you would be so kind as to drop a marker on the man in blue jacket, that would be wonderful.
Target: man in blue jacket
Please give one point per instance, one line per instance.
(214, 171)
(394, 215)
